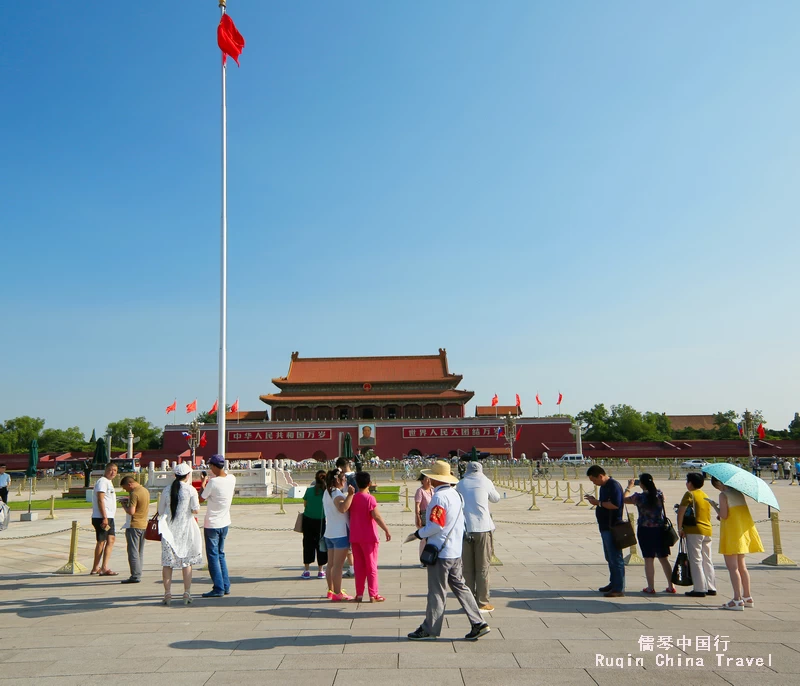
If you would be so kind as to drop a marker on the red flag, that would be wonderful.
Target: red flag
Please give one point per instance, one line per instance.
(519, 431)
(761, 431)
(538, 401)
(235, 406)
(229, 39)
(519, 402)
(173, 407)
(192, 406)
(495, 400)
(560, 398)
(203, 440)
(215, 408)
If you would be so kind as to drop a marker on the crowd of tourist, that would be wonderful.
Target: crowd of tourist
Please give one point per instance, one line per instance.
(341, 524)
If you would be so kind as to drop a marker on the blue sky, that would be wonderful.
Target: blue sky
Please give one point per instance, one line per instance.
(596, 198)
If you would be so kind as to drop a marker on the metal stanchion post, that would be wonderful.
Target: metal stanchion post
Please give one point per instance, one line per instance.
(281, 511)
(633, 558)
(21, 485)
(534, 507)
(564, 478)
(547, 489)
(538, 487)
(557, 496)
(52, 514)
(406, 508)
(72, 566)
(582, 501)
(568, 500)
(596, 496)
(392, 473)
(777, 558)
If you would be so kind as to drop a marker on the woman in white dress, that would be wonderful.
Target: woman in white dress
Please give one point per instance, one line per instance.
(181, 542)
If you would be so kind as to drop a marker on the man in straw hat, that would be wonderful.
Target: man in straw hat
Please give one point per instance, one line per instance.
(444, 529)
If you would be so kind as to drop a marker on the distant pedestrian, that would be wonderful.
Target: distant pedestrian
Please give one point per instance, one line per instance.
(313, 527)
(137, 506)
(181, 546)
(218, 493)
(698, 536)
(737, 537)
(421, 500)
(104, 509)
(787, 469)
(608, 511)
(5, 483)
(365, 519)
(478, 491)
(650, 530)
(797, 471)
(774, 469)
(444, 530)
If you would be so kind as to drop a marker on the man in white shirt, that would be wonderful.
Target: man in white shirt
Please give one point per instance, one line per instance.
(104, 509)
(5, 483)
(444, 529)
(477, 492)
(218, 494)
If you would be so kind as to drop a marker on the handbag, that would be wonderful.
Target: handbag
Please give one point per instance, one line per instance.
(151, 532)
(681, 572)
(622, 532)
(430, 553)
(670, 535)
(689, 516)
(298, 523)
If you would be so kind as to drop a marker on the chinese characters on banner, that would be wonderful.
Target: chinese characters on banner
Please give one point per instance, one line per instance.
(306, 435)
(451, 432)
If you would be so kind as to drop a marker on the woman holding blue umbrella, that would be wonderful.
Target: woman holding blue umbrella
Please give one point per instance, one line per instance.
(737, 537)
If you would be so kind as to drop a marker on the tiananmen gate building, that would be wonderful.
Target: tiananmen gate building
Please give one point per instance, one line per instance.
(396, 406)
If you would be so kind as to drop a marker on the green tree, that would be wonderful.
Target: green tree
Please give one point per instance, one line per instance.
(210, 417)
(149, 434)
(794, 426)
(16, 434)
(725, 425)
(599, 419)
(62, 440)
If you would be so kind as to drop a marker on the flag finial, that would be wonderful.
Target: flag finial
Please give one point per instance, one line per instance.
(222, 3)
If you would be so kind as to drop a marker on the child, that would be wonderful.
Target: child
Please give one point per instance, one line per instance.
(364, 522)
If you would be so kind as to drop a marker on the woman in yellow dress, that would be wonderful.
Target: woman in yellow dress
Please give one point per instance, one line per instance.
(737, 537)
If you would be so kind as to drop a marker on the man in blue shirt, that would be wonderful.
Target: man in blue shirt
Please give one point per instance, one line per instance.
(608, 510)
(5, 483)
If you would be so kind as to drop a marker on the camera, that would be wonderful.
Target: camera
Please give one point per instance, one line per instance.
(636, 482)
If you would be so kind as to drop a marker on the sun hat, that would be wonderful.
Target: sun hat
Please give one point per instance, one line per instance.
(441, 472)
(182, 469)
(217, 461)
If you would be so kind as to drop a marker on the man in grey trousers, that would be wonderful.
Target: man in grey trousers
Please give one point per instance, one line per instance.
(477, 491)
(444, 529)
(137, 506)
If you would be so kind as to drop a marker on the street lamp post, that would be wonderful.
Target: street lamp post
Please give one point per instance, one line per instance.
(194, 437)
(510, 429)
(578, 429)
(748, 433)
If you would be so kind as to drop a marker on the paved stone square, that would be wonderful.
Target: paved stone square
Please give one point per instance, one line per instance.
(548, 627)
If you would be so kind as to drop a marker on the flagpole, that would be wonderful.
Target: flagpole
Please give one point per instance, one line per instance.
(223, 296)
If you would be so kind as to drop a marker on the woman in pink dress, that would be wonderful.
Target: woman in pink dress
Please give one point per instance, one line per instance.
(365, 518)
(422, 499)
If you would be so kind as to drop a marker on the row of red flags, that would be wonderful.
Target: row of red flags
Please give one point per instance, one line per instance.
(192, 406)
(496, 400)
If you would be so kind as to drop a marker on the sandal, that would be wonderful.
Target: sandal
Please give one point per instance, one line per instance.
(670, 590)
(733, 605)
(749, 602)
(358, 599)
(167, 599)
(108, 573)
(377, 599)
(187, 598)
(649, 591)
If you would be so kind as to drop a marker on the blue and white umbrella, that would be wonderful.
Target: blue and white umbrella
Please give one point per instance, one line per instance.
(744, 482)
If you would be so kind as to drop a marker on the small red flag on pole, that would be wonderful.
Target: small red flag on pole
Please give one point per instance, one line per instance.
(519, 402)
(538, 400)
(560, 398)
(761, 431)
(215, 408)
(229, 39)
(235, 406)
(191, 407)
(495, 400)
(203, 440)
(173, 407)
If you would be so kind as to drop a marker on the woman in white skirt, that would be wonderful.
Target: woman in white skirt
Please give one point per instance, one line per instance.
(181, 542)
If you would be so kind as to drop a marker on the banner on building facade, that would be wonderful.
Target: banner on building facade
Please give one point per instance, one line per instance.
(305, 435)
(451, 432)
